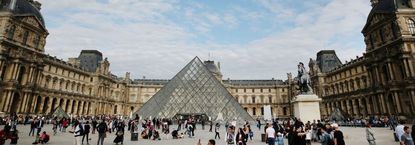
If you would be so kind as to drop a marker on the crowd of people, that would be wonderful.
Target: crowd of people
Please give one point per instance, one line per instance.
(277, 131)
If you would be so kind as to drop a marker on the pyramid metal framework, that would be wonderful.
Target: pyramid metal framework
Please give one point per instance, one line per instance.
(194, 90)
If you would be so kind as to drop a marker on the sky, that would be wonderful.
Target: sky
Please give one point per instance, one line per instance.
(252, 39)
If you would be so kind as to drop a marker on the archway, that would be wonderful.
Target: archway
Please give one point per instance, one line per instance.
(21, 74)
(73, 107)
(38, 102)
(284, 111)
(15, 103)
(61, 103)
(115, 109)
(53, 106)
(45, 105)
(391, 105)
(67, 105)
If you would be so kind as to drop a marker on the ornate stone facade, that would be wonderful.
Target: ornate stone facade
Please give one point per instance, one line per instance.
(381, 82)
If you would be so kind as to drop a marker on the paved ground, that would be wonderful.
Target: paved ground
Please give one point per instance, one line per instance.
(354, 136)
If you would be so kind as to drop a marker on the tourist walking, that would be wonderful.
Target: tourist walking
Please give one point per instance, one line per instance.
(241, 137)
(338, 137)
(399, 131)
(101, 129)
(120, 133)
(308, 136)
(370, 134)
(87, 129)
(325, 137)
(39, 125)
(279, 139)
(217, 126)
(211, 125)
(406, 138)
(77, 132)
(413, 128)
(32, 128)
(270, 131)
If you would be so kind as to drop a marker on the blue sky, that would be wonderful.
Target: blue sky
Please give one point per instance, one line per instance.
(253, 39)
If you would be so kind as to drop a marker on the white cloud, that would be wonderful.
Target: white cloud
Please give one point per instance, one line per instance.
(139, 37)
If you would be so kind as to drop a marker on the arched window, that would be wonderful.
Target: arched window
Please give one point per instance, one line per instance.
(36, 42)
(254, 111)
(411, 25)
(253, 99)
(25, 36)
(10, 33)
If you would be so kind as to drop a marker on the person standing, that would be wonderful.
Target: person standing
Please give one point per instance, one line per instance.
(101, 129)
(399, 131)
(370, 134)
(338, 137)
(280, 139)
(308, 136)
(77, 132)
(87, 129)
(406, 138)
(39, 125)
(241, 137)
(413, 128)
(325, 137)
(270, 131)
(32, 128)
(217, 130)
(94, 125)
(211, 125)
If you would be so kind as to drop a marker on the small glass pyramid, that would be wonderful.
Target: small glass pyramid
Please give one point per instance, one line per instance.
(194, 90)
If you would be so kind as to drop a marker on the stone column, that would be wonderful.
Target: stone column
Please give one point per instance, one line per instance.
(5, 101)
(349, 110)
(75, 109)
(398, 102)
(81, 109)
(2, 65)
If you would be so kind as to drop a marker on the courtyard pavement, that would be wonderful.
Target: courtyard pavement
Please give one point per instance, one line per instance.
(353, 136)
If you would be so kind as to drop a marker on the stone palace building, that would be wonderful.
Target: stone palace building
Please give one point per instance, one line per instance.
(382, 81)
(32, 82)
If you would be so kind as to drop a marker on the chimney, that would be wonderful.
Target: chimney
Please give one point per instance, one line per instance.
(374, 2)
(36, 4)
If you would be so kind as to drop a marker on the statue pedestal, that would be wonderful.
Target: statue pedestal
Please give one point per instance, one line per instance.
(307, 107)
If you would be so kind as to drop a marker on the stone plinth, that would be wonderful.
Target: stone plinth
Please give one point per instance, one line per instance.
(307, 107)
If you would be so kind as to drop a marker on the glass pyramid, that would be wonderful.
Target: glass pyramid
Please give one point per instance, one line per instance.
(194, 90)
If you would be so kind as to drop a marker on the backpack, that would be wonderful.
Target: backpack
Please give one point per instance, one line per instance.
(101, 128)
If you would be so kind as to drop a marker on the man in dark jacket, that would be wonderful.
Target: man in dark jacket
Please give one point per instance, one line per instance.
(101, 129)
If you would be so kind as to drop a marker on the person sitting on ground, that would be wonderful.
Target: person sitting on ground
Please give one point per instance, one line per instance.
(44, 138)
(156, 135)
(210, 142)
(144, 134)
(14, 137)
(175, 134)
(3, 137)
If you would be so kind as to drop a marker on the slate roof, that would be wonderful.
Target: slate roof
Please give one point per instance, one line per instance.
(327, 60)
(22, 7)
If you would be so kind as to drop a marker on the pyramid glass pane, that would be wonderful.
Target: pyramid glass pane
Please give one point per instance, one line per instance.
(194, 90)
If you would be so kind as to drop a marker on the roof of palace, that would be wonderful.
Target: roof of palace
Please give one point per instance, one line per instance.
(21, 7)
